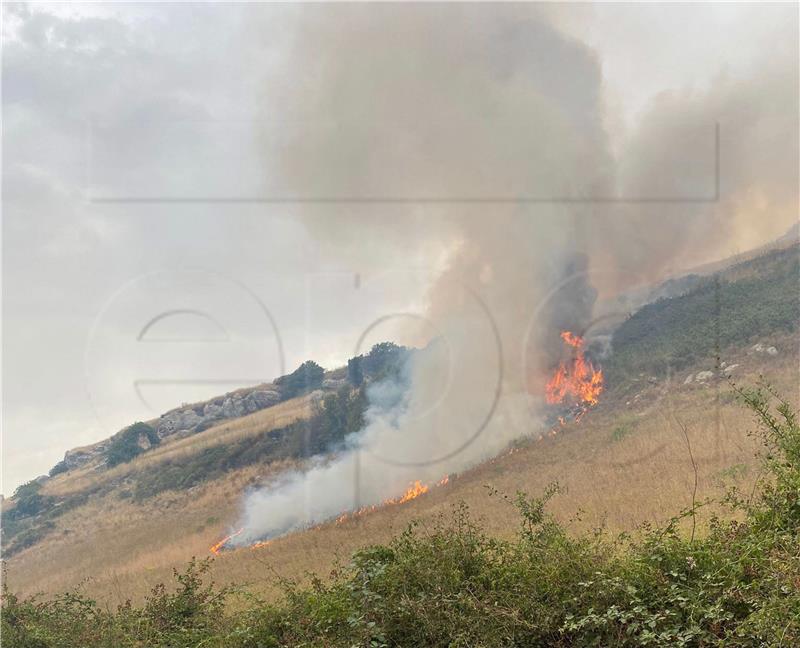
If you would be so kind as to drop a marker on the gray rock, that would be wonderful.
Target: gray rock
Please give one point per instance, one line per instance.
(143, 441)
(333, 384)
(175, 421)
(702, 376)
(232, 408)
(203, 416)
(78, 457)
(689, 379)
(729, 369)
(212, 411)
(772, 351)
(187, 420)
(259, 400)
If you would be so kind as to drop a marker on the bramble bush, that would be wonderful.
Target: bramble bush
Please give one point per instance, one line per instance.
(451, 584)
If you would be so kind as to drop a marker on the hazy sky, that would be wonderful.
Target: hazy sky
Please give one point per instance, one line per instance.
(137, 272)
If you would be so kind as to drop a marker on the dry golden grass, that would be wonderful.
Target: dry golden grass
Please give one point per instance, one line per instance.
(624, 480)
(173, 449)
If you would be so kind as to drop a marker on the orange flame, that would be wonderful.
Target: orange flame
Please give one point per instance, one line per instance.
(414, 490)
(577, 380)
(217, 548)
(571, 339)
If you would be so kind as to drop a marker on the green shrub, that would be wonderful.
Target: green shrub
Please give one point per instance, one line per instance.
(620, 432)
(355, 374)
(307, 377)
(130, 443)
(29, 501)
(451, 584)
(384, 359)
(60, 467)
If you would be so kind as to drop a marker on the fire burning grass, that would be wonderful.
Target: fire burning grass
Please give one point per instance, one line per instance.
(412, 492)
(576, 384)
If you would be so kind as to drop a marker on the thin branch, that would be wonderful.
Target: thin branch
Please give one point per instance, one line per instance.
(685, 432)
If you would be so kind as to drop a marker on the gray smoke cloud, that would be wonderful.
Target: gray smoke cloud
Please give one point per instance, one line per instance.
(467, 104)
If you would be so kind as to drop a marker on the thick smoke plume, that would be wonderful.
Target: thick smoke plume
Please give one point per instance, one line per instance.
(411, 129)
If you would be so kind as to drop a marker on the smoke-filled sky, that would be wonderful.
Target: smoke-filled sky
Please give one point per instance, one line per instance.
(197, 197)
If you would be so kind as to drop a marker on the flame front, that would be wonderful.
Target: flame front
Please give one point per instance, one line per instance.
(576, 381)
(414, 490)
(215, 549)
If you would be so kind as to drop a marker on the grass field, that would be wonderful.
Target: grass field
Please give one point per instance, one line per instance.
(624, 464)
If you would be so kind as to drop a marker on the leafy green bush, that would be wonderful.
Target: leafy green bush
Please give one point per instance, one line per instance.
(29, 501)
(60, 467)
(130, 443)
(355, 374)
(307, 377)
(33, 516)
(384, 359)
(451, 584)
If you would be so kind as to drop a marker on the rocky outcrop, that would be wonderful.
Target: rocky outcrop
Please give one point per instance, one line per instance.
(200, 417)
(190, 419)
(763, 348)
(726, 369)
(78, 457)
(334, 384)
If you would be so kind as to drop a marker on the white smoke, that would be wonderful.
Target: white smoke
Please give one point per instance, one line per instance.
(471, 101)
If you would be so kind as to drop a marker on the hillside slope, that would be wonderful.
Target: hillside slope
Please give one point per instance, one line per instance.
(626, 462)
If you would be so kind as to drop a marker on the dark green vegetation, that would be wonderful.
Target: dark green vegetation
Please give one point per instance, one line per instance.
(32, 516)
(737, 584)
(384, 358)
(130, 443)
(756, 298)
(307, 377)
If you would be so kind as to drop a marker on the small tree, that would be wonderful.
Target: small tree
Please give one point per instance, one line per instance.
(29, 501)
(128, 443)
(307, 377)
(384, 359)
(60, 467)
(355, 374)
